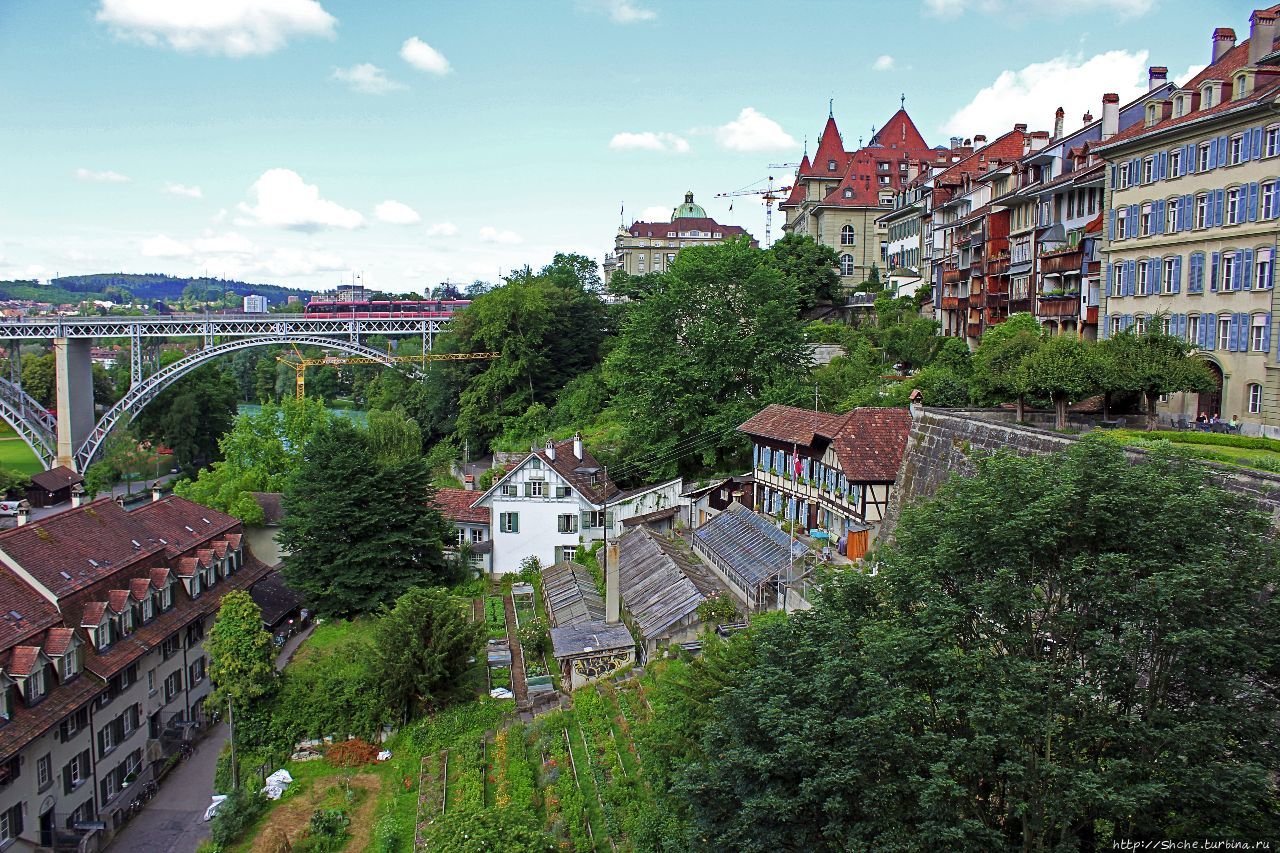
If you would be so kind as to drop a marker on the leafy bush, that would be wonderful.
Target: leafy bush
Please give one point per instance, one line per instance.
(386, 838)
(1194, 437)
(530, 569)
(535, 636)
(236, 814)
(326, 832)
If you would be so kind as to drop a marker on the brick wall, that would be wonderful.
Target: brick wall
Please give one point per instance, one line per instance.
(943, 442)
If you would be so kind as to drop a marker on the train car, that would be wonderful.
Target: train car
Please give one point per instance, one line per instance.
(374, 309)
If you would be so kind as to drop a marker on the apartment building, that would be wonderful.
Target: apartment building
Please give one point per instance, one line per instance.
(839, 196)
(1193, 212)
(647, 247)
(828, 472)
(102, 659)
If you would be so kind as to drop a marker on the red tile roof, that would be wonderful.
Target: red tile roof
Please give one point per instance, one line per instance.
(868, 442)
(187, 567)
(140, 588)
(159, 577)
(830, 147)
(91, 616)
(661, 230)
(22, 660)
(220, 548)
(58, 641)
(57, 477)
(23, 611)
(797, 188)
(579, 471)
(118, 599)
(455, 505)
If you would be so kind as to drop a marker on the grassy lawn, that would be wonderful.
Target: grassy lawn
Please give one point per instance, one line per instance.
(15, 455)
(333, 632)
(1262, 454)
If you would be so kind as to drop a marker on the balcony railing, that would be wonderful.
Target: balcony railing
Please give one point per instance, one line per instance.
(974, 330)
(1058, 306)
(951, 276)
(1069, 262)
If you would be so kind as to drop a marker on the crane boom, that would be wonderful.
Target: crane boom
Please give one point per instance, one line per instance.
(768, 196)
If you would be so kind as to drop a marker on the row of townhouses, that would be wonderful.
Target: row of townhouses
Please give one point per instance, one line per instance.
(1162, 210)
(103, 672)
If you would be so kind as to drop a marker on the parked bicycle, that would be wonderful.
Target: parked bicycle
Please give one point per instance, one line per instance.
(186, 750)
(149, 791)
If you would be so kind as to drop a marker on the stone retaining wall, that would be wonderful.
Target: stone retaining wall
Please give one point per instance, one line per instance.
(943, 442)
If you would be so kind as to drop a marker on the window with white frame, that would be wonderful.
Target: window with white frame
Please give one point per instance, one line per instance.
(1235, 206)
(1193, 328)
(10, 824)
(1224, 332)
(1115, 325)
(1175, 162)
(831, 165)
(1117, 283)
(172, 685)
(509, 522)
(1258, 333)
(1262, 269)
(1235, 149)
(1269, 206)
(1271, 141)
(535, 488)
(1202, 210)
(846, 235)
(1167, 269)
(569, 553)
(1144, 221)
(1202, 157)
(508, 490)
(1172, 222)
(1164, 325)
(848, 192)
(1139, 325)
(1143, 278)
(477, 534)
(1242, 84)
(567, 523)
(1122, 176)
(44, 771)
(1228, 271)
(1122, 216)
(1149, 166)
(846, 265)
(1255, 398)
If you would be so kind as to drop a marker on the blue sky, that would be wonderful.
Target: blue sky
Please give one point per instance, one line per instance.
(294, 141)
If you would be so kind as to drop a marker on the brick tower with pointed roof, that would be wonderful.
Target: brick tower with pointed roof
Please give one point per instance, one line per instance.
(838, 195)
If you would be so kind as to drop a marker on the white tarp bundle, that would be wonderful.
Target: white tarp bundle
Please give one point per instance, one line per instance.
(276, 784)
(218, 800)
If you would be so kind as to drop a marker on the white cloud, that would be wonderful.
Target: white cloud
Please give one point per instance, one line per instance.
(1031, 94)
(396, 213)
(1119, 8)
(656, 214)
(228, 27)
(649, 141)
(107, 177)
(493, 235)
(183, 190)
(423, 56)
(291, 262)
(620, 11)
(161, 246)
(443, 229)
(883, 63)
(229, 243)
(368, 78)
(284, 200)
(754, 131)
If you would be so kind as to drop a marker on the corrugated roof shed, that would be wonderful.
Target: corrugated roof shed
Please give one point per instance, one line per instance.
(660, 584)
(571, 594)
(594, 636)
(750, 543)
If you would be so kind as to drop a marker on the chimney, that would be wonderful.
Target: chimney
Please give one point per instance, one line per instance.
(1058, 118)
(1224, 38)
(1262, 34)
(1088, 117)
(1157, 76)
(24, 513)
(955, 142)
(577, 445)
(1110, 115)
(979, 140)
(551, 450)
(77, 496)
(612, 599)
(157, 492)
(1020, 128)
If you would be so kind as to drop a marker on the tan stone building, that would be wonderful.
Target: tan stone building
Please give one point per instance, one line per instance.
(647, 247)
(1193, 212)
(839, 196)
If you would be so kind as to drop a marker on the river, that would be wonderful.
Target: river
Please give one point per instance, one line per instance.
(358, 416)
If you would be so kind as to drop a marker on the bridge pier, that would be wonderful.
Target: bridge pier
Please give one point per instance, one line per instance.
(75, 396)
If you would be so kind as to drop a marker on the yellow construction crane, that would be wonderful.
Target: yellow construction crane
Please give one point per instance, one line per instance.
(300, 364)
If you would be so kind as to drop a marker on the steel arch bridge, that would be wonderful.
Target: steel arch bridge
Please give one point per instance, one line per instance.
(73, 437)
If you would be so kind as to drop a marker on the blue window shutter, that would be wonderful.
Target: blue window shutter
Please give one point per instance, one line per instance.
(1110, 278)
(1187, 221)
(1201, 334)
(1256, 144)
(1111, 226)
(1177, 274)
(1213, 271)
(1153, 276)
(1133, 219)
(1158, 211)
(1191, 273)
(1246, 270)
(1130, 277)
(1191, 159)
(1233, 342)
(1164, 165)
(1223, 142)
(1126, 321)
(1219, 197)
(1211, 161)
(1115, 175)
(1210, 322)
(1266, 335)
(1253, 202)
(1245, 146)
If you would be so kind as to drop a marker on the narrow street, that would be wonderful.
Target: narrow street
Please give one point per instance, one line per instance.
(174, 821)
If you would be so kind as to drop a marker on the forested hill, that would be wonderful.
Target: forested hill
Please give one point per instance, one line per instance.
(149, 286)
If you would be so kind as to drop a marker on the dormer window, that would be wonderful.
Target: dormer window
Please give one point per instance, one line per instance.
(1153, 114)
(148, 609)
(71, 663)
(831, 165)
(1178, 106)
(535, 463)
(1242, 85)
(36, 686)
(1209, 95)
(848, 192)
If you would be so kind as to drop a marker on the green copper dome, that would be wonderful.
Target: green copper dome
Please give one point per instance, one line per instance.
(688, 210)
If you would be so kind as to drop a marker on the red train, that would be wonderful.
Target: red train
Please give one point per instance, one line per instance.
(384, 308)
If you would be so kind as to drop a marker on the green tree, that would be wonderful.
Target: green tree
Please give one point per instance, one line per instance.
(191, 416)
(422, 650)
(1062, 370)
(811, 266)
(1154, 363)
(359, 533)
(1031, 669)
(998, 372)
(39, 378)
(393, 437)
(701, 354)
(241, 661)
(99, 478)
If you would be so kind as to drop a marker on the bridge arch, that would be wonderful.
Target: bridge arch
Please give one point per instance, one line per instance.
(144, 392)
(30, 429)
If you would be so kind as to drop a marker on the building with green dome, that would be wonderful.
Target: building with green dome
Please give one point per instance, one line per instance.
(647, 247)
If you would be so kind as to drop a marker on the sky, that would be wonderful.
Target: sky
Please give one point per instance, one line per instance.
(301, 142)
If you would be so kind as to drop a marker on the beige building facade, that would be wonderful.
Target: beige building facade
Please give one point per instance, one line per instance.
(649, 247)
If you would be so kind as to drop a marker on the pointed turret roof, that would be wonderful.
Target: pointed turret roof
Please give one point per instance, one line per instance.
(830, 147)
(797, 187)
(900, 132)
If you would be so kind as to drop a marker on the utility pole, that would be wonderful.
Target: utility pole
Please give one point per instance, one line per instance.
(231, 721)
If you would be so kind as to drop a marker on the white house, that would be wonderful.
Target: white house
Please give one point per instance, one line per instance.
(559, 499)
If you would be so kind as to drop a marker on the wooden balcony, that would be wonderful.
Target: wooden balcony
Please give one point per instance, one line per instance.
(951, 276)
(998, 266)
(974, 330)
(951, 303)
(1058, 306)
(1091, 315)
(1025, 303)
(978, 299)
(1060, 263)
